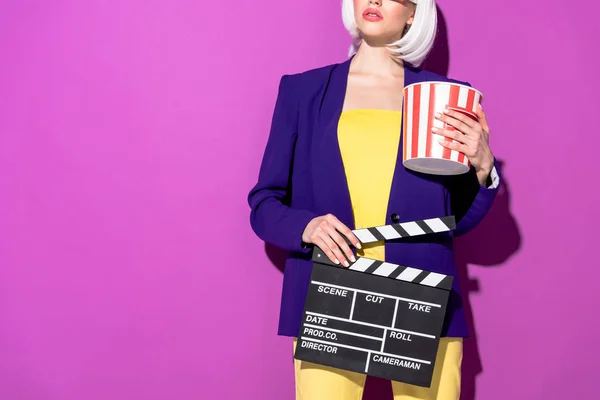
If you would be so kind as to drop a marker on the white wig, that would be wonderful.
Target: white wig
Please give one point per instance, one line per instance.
(416, 43)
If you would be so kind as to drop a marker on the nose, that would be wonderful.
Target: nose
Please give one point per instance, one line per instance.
(375, 2)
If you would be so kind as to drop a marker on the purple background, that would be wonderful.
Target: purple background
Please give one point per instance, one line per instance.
(131, 132)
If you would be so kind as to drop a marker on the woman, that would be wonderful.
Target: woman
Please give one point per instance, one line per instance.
(333, 164)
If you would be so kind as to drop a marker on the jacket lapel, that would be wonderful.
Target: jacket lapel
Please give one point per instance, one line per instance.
(400, 173)
(330, 184)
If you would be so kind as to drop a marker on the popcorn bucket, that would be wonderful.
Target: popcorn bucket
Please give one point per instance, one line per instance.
(422, 152)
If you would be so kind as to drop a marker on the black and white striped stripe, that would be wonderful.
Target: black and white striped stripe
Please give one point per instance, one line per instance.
(399, 272)
(389, 270)
(405, 229)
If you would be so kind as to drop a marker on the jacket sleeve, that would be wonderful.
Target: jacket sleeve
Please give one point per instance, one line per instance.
(271, 217)
(470, 201)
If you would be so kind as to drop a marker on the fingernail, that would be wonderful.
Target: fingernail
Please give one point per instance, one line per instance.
(358, 246)
(352, 259)
(346, 263)
(446, 111)
(434, 129)
(336, 261)
(441, 141)
(437, 115)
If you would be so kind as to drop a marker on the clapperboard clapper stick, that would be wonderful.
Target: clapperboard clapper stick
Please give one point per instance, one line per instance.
(375, 317)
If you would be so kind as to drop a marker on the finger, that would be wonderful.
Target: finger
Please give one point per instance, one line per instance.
(343, 235)
(456, 123)
(339, 240)
(455, 135)
(344, 230)
(455, 146)
(325, 235)
(482, 119)
(320, 243)
(322, 239)
(465, 119)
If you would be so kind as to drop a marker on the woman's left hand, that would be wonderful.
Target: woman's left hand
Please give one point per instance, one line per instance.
(470, 138)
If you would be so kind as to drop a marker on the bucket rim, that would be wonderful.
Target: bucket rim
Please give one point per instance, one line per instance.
(446, 83)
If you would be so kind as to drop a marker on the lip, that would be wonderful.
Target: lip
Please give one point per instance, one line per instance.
(372, 14)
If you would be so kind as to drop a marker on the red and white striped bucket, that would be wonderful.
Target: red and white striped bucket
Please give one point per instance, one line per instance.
(422, 152)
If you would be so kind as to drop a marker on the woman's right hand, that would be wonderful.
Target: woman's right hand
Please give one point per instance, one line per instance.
(325, 231)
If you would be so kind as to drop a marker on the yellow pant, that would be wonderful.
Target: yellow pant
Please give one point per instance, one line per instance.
(319, 382)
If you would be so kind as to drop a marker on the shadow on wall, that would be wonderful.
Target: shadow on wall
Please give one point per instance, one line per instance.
(495, 240)
(491, 244)
(438, 60)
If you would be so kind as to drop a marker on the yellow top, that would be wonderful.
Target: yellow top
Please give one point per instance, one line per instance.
(368, 141)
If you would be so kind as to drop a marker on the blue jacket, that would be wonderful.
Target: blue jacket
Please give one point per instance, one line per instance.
(302, 177)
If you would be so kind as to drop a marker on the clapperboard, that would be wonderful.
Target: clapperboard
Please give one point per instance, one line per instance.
(375, 317)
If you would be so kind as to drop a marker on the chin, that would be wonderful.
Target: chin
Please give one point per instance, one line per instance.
(376, 39)
(373, 32)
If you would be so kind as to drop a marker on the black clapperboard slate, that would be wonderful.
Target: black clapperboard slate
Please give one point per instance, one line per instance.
(376, 318)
